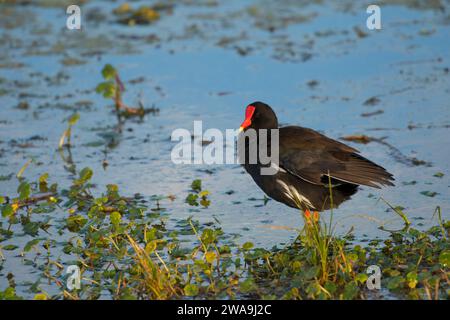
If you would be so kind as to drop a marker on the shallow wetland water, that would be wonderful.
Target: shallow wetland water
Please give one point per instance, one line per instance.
(315, 62)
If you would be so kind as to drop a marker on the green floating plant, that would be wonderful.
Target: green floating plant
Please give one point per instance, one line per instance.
(126, 249)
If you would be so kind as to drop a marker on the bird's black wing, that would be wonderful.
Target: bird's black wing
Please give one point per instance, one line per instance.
(314, 157)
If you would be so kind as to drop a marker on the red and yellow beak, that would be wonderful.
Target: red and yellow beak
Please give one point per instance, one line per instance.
(248, 118)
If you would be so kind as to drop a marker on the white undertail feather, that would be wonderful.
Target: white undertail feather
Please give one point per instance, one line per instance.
(292, 193)
(277, 167)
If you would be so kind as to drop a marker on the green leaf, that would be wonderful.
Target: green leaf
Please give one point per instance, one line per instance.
(395, 282)
(115, 218)
(22, 170)
(205, 203)
(10, 247)
(361, 278)
(74, 119)
(6, 177)
(150, 247)
(31, 244)
(43, 183)
(247, 246)
(76, 222)
(86, 174)
(109, 72)
(9, 294)
(107, 89)
(330, 287)
(40, 296)
(247, 285)
(191, 290)
(444, 258)
(31, 228)
(24, 190)
(151, 234)
(208, 236)
(352, 256)
(210, 257)
(112, 188)
(438, 175)
(430, 194)
(102, 87)
(43, 178)
(203, 193)
(191, 199)
(311, 273)
(7, 211)
(296, 266)
(411, 278)
(196, 185)
(350, 290)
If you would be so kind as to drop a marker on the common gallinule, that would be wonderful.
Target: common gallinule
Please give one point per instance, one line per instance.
(309, 164)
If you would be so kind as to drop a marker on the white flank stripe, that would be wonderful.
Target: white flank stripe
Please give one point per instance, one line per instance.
(294, 195)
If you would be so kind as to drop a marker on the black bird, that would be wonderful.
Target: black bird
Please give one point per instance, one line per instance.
(309, 164)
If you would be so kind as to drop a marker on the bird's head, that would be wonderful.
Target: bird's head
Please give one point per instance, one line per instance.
(259, 115)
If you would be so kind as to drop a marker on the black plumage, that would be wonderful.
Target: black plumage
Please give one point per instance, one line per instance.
(309, 163)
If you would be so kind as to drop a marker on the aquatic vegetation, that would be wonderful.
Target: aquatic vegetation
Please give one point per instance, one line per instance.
(198, 196)
(143, 15)
(122, 9)
(67, 134)
(124, 247)
(113, 88)
(412, 263)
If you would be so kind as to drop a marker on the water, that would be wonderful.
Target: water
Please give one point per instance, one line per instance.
(207, 61)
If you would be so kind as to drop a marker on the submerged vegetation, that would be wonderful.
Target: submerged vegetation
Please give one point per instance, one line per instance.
(126, 249)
